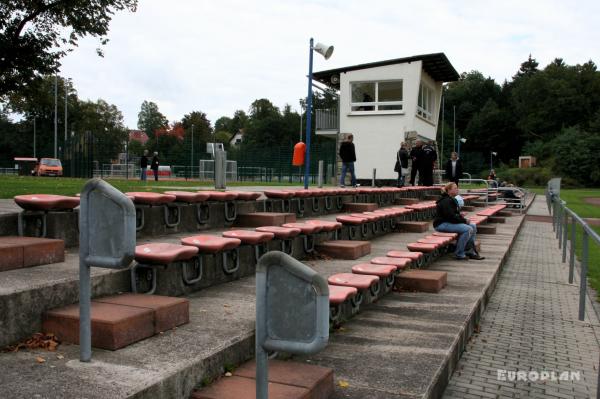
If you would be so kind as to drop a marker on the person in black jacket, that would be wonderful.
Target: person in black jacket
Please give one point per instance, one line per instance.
(401, 164)
(448, 219)
(144, 165)
(454, 169)
(415, 156)
(154, 165)
(426, 163)
(348, 156)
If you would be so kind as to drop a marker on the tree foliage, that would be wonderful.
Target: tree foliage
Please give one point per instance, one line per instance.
(35, 35)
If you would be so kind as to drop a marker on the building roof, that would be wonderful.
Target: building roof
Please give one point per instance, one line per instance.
(436, 65)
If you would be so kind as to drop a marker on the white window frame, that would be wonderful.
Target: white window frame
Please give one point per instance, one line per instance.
(376, 104)
(423, 112)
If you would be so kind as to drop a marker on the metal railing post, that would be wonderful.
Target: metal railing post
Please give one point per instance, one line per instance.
(572, 251)
(564, 240)
(583, 279)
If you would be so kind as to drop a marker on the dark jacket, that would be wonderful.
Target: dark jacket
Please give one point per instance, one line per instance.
(428, 157)
(347, 152)
(403, 157)
(144, 162)
(416, 155)
(458, 170)
(154, 164)
(447, 211)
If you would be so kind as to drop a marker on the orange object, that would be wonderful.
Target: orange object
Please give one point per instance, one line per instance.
(299, 151)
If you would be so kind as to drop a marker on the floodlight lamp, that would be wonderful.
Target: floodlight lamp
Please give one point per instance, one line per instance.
(463, 140)
(324, 50)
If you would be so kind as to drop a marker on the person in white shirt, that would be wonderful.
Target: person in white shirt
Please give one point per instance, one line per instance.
(454, 169)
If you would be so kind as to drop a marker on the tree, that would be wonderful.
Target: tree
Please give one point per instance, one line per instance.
(150, 120)
(35, 35)
(528, 68)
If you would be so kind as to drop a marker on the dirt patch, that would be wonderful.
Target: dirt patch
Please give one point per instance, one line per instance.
(592, 200)
(592, 221)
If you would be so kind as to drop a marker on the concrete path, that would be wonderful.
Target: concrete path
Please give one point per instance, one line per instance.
(531, 325)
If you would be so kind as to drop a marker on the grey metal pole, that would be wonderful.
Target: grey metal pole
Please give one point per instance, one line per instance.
(192, 157)
(320, 177)
(572, 252)
(66, 105)
(85, 323)
(559, 223)
(374, 177)
(583, 277)
(34, 133)
(55, 116)
(565, 237)
(454, 129)
(443, 123)
(262, 360)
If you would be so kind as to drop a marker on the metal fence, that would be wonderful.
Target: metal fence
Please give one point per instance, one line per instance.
(565, 224)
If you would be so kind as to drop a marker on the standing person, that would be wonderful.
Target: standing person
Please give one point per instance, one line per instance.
(154, 165)
(492, 177)
(449, 220)
(144, 165)
(402, 164)
(415, 156)
(426, 163)
(348, 156)
(454, 169)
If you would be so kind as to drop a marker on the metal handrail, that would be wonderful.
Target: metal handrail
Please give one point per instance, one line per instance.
(560, 224)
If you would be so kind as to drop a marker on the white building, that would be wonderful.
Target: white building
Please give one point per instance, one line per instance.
(384, 103)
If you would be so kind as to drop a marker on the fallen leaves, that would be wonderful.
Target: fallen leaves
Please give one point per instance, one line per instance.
(40, 359)
(343, 384)
(45, 341)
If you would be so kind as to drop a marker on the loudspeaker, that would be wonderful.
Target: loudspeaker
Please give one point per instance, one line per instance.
(324, 50)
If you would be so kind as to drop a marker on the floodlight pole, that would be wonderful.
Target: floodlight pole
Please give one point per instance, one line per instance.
(308, 115)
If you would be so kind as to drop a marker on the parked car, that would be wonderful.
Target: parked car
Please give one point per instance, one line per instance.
(48, 167)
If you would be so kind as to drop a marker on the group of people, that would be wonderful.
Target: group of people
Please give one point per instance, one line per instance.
(153, 165)
(423, 156)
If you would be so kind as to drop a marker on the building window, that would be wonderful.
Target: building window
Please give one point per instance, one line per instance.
(376, 96)
(425, 102)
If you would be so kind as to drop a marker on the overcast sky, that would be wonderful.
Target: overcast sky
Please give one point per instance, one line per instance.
(219, 56)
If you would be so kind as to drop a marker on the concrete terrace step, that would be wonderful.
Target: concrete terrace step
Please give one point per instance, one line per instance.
(420, 334)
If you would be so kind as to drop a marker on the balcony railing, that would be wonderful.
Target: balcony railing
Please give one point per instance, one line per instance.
(327, 119)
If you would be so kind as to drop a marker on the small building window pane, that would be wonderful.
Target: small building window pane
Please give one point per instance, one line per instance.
(363, 92)
(390, 107)
(390, 91)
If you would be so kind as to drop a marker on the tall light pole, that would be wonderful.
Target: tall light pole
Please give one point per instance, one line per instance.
(326, 52)
(34, 132)
(65, 81)
(461, 140)
(454, 128)
(492, 154)
(192, 156)
(55, 116)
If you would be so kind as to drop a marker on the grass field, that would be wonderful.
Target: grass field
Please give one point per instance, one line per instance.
(17, 185)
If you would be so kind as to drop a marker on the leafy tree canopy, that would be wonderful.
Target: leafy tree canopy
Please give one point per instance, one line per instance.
(35, 35)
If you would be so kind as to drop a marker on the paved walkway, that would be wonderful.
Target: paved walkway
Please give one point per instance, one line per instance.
(531, 325)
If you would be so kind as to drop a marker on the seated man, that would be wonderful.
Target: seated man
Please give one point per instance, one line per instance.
(448, 219)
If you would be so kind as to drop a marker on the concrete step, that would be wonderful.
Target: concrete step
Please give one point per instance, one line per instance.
(287, 380)
(344, 249)
(360, 207)
(258, 219)
(18, 252)
(413, 227)
(422, 281)
(407, 201)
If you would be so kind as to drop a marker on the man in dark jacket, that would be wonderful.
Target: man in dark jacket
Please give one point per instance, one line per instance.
(449, 220)
(144, 165)
(454, 169)
(348, 156)
(415, 156)
(402, 164)
(154, 165)
(428, 158)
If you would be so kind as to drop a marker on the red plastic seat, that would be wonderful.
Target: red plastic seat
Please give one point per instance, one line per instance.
(315, 192)
(436, 239)
(358, 281)
(440, 243)
(374, 269)
(405, 254)
(351, 220)
(246, 195)
(148, 198)
(443, 234)
(163, 253)
(339, 294)
(188, 196)
(211, 244)
(377, 216)
(300, 193)
(421, 247)
(369, 218)
(399, 263)
(305, 228)
(249, 237)
(46, 202)
(281, 194)
(281, 233)
(222, 196)
(325, 225)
